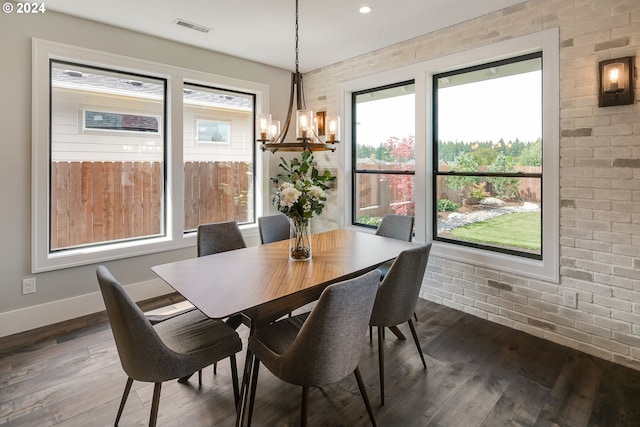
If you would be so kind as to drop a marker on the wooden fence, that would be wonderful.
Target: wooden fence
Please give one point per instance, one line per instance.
(379, 193)
(216, 191)
(94, 202)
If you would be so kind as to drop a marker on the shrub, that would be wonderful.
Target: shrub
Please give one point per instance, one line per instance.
(478, 191)
(446, 205)
(369, 220)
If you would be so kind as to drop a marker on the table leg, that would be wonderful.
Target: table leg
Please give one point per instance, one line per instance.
(243, 405)
(245, 389)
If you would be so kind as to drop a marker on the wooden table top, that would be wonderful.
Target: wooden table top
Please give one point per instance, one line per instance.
(263, 280)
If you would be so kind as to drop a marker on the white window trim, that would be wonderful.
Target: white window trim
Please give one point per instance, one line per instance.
(42, 52)
(547, 41)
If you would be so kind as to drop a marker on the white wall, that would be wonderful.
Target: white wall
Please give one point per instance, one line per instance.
(64, 294)
(599, 179)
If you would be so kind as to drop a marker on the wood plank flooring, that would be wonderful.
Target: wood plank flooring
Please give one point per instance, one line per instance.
(479, 374)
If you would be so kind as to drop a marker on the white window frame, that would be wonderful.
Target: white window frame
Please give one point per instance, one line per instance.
(42, 52)
(546, 41)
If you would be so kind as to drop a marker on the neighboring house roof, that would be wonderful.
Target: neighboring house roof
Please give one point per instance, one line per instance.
(84, 78)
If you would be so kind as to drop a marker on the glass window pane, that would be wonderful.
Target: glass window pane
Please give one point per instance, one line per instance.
(384, 123)
(218, 156)
(502, 212)
(107, 156)
(488, 129)
(379, 194)
(490, 111)
(385, 127)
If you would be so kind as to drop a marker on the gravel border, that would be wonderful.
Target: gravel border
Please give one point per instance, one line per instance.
(455, 219)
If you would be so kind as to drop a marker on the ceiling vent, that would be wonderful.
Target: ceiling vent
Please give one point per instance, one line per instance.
(191, 25)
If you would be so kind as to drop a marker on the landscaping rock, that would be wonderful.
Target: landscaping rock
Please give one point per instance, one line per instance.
(492, 201)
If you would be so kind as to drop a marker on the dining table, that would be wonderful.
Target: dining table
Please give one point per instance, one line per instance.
(257, 285)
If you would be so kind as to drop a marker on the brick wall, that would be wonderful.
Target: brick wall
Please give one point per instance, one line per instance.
(599, 179)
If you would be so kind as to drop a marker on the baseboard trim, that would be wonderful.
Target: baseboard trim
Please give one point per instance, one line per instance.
(38, 316)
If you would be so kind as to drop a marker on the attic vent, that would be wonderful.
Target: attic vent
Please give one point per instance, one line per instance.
(191, 25)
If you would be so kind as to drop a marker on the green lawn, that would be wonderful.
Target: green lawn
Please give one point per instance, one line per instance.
(519, 230)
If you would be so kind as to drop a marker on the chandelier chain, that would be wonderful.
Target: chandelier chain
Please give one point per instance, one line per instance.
(297, 63)
(308, 139)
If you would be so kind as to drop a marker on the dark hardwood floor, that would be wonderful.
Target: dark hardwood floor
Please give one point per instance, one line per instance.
(479, 374)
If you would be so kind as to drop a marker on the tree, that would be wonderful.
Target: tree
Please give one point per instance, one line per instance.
(403, 186)
(503, 187)
(532, 154)
(463, 184)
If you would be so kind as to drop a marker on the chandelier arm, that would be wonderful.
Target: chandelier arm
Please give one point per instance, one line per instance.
(287, 122)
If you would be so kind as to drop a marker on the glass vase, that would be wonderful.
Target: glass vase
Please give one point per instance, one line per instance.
(300, 239)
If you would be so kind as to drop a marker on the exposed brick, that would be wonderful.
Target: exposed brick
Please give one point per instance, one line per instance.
(599, 185)
(541, 324)
(613, 346)
(566, 43)
(614, 325)
(611, 44)
(499, 285)
(626, 163)
(577, 274)
(568, 133)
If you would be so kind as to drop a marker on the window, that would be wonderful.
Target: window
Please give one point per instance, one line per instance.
(218, 168)
(487, 168)
(383, 159)
(540, 52)
(120, 166)
(108, 188)
(120, 122)
(212, 132)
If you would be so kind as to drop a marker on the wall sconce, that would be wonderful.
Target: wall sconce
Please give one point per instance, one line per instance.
(320, 116)
(616, 82)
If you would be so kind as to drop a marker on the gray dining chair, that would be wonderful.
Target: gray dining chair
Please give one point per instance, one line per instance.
(219, 237)
(324, 347)
(274, 228)
(398, 227)
(171, 349)
(216, 237)
(396, 300)
(212, 238)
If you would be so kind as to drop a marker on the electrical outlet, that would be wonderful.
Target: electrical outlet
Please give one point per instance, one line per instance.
(570, 299)
(29, 286)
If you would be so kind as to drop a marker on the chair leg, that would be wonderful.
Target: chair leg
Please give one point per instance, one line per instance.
(415, 339)
(381, 362)
(185, 379)
(370, 334)
(415, 316)
(304, 410)
(365, 396)
(397, 332)
(155, 403)
(127, 389)
(234, 379)
(200, 378)
(253, 386)
(215, 368)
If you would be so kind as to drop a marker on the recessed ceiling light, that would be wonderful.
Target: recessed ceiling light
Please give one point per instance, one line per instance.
(365, 9)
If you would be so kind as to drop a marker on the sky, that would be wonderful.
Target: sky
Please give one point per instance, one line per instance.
(468, 113)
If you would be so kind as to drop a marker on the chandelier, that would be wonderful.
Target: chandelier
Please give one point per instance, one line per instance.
(309, 127)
